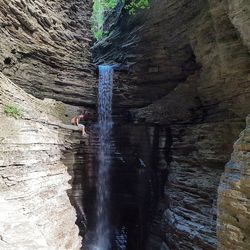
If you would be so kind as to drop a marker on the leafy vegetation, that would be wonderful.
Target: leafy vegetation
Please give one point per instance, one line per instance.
(12, 111)
(100, 7)
(134, 5)
(97, 19)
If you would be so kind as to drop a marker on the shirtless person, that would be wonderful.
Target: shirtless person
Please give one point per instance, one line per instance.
(76, 121)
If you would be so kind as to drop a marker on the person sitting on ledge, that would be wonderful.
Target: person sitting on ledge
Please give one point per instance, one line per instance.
(80, 122)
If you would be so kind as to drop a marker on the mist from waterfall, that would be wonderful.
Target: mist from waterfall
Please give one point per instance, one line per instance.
(104, 156)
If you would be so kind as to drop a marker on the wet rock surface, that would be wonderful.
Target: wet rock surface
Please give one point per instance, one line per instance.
(179, 42)
(138, 173)
(190, 61)
(45, 48)
(191, 190)
(164, 186)
(33, 180)
(233, 197)
(155, 47)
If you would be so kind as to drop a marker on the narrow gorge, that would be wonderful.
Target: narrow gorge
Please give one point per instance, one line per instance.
(167, 167)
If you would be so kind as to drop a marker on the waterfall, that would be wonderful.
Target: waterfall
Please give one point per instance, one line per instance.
(104, 155)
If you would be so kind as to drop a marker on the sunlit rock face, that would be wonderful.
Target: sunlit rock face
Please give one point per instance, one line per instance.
(45, 48)
(233, 198)
(35, 210)
(190, 61)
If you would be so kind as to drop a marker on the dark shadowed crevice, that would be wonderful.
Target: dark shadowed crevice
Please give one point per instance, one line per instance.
(7, 61)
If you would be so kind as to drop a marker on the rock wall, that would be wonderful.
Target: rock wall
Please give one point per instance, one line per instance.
(220, 89)
(239, 13)
(45, 48)
(233, 199)
(155, 47)
(35, 210)
(190, 60)
(198, 154)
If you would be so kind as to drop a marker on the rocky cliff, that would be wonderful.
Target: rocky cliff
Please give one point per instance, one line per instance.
(45, 48)
(35, 210)
(186, 62)
(190, 61)
(175, 40)
(233, 199)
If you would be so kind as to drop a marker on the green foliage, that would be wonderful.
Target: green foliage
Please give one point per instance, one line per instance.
(12, 111)
(134, 5)
(97, 19)
(109, 4)
(98, 34)
(100, 7)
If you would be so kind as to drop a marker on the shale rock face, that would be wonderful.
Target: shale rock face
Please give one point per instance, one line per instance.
(198, 154)
(239, 13)
(190, 61)
(234, 194)
(173, 40)
(45, 48)
(154, 45)
(35, 210)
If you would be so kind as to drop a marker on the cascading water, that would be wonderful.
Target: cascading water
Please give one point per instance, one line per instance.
(104, 155)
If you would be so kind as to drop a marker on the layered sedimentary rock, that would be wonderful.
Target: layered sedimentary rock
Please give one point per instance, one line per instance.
(189, 217)
(154, 46)
(239, 13)
(234, 199)
(174, 39)
(45, 48)
(35, 210)
(190, 60)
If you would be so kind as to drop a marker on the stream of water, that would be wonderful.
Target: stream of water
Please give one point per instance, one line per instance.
(104, 156)
(117, 177)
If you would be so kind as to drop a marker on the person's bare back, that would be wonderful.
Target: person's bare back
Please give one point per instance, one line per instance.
(76, 121)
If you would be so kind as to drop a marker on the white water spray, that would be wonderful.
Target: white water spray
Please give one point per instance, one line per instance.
(104, 156)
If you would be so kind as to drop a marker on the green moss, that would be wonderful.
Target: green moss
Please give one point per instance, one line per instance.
(12, 111)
